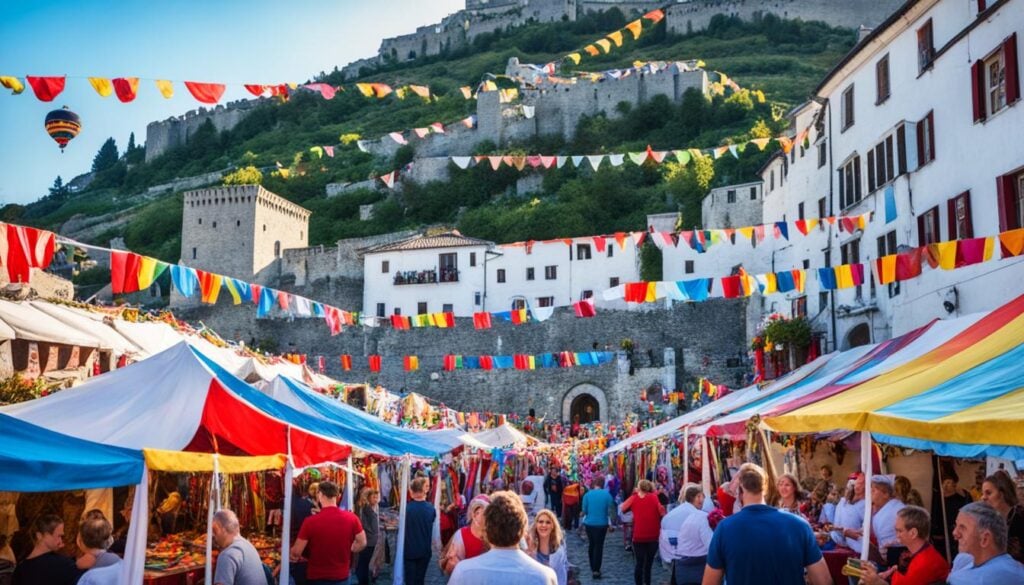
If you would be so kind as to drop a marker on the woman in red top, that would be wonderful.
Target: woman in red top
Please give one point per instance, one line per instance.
(647, 513)
(468, 541)
(920, 564)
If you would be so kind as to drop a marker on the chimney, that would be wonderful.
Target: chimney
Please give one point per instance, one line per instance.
(862, 32)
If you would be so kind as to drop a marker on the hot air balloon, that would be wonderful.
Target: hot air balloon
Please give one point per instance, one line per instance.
(62, 125)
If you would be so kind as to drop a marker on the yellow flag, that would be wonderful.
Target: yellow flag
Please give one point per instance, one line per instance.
(166, 88)
(574, 57)
(604, 44)
(366, 89)
(102, 85)
(761, 142)
(635, 27)
(616, 38)
(592, 50)
(12, 83)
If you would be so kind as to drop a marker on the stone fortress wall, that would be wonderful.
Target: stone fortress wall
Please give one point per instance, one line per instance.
(171, 133)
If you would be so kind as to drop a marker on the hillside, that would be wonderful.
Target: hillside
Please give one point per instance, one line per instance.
(784, 59)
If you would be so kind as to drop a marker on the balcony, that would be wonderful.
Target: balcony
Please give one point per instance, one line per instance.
(427, 276)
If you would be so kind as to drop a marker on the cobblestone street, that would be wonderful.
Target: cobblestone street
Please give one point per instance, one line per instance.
(617, 568)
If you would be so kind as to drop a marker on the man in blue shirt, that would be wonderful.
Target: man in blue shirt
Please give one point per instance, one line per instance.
(419, 524)
(597, 506)
(981, 532)
(760, 545)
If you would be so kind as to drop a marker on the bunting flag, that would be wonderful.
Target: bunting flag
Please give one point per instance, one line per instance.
(655, 16)
(165, 87)
(411, 363)
(266, 301)
(126, 88)
(46, 88)
(209, 286)
(635, 28)
(519, 316)
(207, 93)
(377, 90)
(791, 280)
(481, 320)
(584, 308)
(102, 86)
(374, 362)
(400, 322)
(974, 251)
(185, 280)
(124, 272)
(12, 83)
(942, 255)
(346, 362)
(240, 291)
(23, 248)
(150, 269)
(640, 292)
(1011, 243)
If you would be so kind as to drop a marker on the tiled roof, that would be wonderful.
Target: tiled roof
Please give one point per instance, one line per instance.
(452, 239)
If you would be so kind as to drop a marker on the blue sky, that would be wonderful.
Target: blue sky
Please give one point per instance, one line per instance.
(227, 41)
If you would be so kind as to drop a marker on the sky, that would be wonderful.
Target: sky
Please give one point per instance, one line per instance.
(225, 41)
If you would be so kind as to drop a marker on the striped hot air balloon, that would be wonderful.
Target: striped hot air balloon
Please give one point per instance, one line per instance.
(62, 125)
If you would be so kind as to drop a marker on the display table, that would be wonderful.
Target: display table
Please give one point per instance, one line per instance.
(836, 560)
(175, 576)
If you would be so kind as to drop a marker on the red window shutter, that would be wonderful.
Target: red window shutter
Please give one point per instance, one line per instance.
(920, 230)
(1012, 74)
(1005, 191)
(969, 219)
(981, 6)
(978, 90)
(931, 135)
(951, 219)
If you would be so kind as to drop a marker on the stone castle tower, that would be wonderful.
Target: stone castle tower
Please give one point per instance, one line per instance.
(239, 231)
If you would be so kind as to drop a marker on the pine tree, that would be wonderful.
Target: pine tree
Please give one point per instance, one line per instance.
(59, 189)
(131, 143)
(106, 157)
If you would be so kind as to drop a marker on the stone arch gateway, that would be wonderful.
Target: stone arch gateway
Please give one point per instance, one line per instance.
(586, 400)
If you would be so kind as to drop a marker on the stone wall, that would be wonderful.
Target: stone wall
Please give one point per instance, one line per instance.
(695, 15)
(706, 339)
(174, 132)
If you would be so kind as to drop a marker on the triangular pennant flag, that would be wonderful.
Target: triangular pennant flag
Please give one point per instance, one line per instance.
(547, 161)
(255, 89)
(495, 162)
(462, 161)
(397, 137)
(638, 158)
(46, 88)
(1011, 243)
(595, 160)
(329, 150)
(102, 86)
(616, 38)
(389, 179)
(616, 159)
(577, 160)
(655, 16)
(761, 142)
(635, 28)
(620, 238)
(560, 161)
(574, 57)
(605, 44)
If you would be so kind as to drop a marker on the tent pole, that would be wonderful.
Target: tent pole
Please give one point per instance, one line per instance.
(705, 464)
(866, 465)
(686, 455)
(286, 522)
(349, 487)
(945, 516)
(135, 549)
(399, 565)
(212, 507)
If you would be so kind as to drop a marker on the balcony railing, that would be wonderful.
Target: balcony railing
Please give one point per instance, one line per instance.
(432, 276)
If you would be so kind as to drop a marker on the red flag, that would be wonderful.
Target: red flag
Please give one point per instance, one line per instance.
(599, 244)
(486, 362)
(256, 290)
(46, 88)
(449, 363)
(346, 362)
(519, 362)
(449, 319)
(27, 248)
(399, 322)
(908, 265)
(207, 93)
(256, 90)
(482, 320)
(126, 88)
(374, 362)
(411, 363)
(124, 272)
(585, 308)
(731, 287)
(636, 292)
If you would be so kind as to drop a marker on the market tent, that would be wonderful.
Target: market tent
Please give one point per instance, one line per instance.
(152, 337)
(965, 396)
(176, 401)
(6, 332)
(76, 320)
(364, 431)
(31, 324)
(34, 459)
(505, 436)
(848, 369)
(727, 403)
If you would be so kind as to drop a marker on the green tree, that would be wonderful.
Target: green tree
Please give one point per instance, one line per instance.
(59, 190)
(106, 157)
(760, 130)
(688, 184)
(651, 268)
(131, 142)
(249, 175)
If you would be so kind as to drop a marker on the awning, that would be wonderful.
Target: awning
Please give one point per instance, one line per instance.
(31, 324)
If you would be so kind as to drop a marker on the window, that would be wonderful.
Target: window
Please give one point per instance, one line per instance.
(200, 221)
(800, 210)
(398, 311)
(882, 162)
(501, 275)
(822, 154)
(688, 267)
(928, 227)
(849, 183)
(730, 196)
(385, 266)
(886, 247)
(277, 249)
(519, 303)
(214, 225)
(587, 294)
(821, 208)
(238, 223)
(583, 251)
(264, 227)
(753, 193)
(847, 108)
(995, 80)
(545, 301)
(529, 274)
(477, 298)
(982, 5)
(613, 282)
(421, 308)
(822, 301)
(959, 209)
(381, 310)
(472, 258)
(850, 254)
(926, 139)
(447, 308)
(882, 80)
(611, 250)
(448, 261)
(550, 272)
(807, 263)
(798, 307)
(771, 183)
(193, 253)
(1010, 196)
(925, 47)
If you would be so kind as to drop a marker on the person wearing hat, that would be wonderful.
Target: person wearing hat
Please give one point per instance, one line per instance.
(468, 541)
(884, 509)
(953, 498)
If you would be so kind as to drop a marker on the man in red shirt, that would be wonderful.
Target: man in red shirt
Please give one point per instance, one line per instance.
(329, 539)
(920, 564)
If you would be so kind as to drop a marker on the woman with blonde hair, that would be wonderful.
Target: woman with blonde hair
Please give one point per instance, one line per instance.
(546, 545)
(470, 540)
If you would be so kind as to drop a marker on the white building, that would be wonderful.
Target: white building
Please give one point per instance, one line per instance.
(732, 206)
(927, 107)
(450, 272)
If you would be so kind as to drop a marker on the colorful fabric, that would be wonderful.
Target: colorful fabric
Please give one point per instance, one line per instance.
(482, 320)
(411, 363)
(124, 271)
(23, 248)
(827, 278)
(942, 255)
(346, 362)
(209, 286)
(46, 88)
(126, 88)
(584, 308)
(731, 288)
(400, 322)
(268, 297)
(150, 269)
(374, 361)
(238, 289)
(185, 280)
(974, 251)
(1011, 243)
(849, 275)
(102, 86)
(519, 316)
(165, 87)
(207, 93)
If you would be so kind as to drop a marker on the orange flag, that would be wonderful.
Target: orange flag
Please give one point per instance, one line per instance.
(592, 50)
(655, 16)
(635, 27)
(616, 38)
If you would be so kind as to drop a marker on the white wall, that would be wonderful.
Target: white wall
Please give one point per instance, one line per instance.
(379, 287)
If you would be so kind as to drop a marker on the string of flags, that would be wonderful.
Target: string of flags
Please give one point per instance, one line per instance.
(519, 361)
(23, 248)
(604, 45)
(887, 269)
(126, 89)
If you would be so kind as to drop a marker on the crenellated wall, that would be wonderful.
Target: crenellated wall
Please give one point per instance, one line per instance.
(173, 132)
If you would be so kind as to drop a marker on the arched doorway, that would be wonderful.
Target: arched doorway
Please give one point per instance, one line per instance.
(858, 336)
(586, 400)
